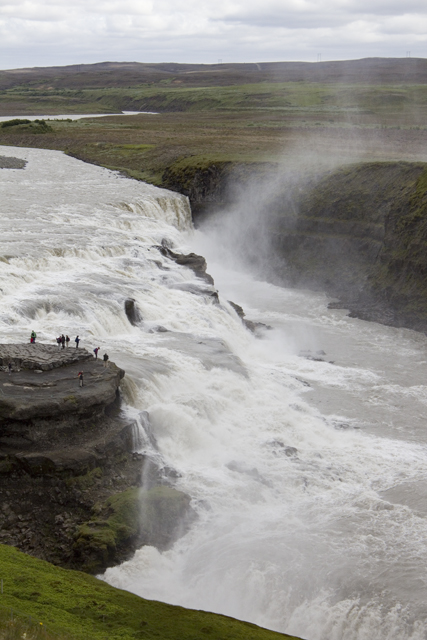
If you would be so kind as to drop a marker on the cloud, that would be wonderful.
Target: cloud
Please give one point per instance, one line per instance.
(47, 32)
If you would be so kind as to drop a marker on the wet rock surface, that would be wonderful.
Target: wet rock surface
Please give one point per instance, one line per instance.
(70, 481)
(191, 260)
(133, 314)
(255, 327)
(44, 382)
(7, 162)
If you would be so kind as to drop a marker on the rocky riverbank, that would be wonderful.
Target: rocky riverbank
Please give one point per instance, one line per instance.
(71, 486)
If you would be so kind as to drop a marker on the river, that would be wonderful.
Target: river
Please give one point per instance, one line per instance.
(303, 448)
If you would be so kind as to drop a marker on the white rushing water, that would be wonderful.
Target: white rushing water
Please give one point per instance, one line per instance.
(308, 476)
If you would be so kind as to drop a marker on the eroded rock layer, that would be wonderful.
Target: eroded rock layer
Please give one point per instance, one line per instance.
(358, 232)
(71, 483)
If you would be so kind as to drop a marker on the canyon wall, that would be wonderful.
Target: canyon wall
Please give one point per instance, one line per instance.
(358, 232)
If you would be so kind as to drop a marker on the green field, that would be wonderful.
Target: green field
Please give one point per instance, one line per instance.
(145, 145)
(237, 114)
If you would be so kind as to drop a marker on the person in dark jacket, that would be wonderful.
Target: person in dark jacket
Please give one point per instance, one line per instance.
(80, 376)
(77, 340)
(105, 358)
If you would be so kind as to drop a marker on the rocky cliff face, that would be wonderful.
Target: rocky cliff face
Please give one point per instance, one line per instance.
(212, 186)
(358, 233)
(71, 486)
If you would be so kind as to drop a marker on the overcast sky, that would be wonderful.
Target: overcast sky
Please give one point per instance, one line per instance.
(59, 32)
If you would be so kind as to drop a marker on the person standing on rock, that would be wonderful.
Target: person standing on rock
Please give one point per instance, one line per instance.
(77, 340)
(33, 336)
(67, 340)
(63, 341)
(9, 366)
(105, 358)
(80, 377)
(96, 352)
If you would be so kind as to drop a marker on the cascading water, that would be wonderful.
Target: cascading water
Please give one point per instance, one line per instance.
(308, 475)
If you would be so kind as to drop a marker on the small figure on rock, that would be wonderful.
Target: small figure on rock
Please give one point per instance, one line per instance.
(96, 352)
(105, 358)
(33, 336)
(63, 341)
(9, 366)
(77, 340)
(58, 341)
(80, 377)
(67, 340)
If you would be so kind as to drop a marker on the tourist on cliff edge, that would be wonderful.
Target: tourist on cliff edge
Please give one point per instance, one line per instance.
(33, 336)
(77, 340)
(80, 377)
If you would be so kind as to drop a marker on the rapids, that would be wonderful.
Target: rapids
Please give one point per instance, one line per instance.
(308, 474)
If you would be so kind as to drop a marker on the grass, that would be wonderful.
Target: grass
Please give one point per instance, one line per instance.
(77, 606)
(366, 100)
(243, 123)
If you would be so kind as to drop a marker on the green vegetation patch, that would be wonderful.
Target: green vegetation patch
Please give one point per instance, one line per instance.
(86, 481)
(14, 122)
(114, 524)
(128, 519)
(81, 607)
(19, 125)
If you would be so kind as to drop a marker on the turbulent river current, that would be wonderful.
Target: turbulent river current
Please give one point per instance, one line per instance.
(303, 448)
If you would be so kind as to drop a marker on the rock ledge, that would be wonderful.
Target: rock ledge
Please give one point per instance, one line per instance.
(44, 382)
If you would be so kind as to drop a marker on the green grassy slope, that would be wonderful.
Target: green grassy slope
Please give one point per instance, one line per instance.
(81, 607)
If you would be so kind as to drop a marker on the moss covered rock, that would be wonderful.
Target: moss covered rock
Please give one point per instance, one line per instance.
(130, 519)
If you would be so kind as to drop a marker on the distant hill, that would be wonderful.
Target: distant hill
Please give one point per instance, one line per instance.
(126, 74)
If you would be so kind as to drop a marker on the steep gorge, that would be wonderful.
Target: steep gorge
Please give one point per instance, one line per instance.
(358, 232)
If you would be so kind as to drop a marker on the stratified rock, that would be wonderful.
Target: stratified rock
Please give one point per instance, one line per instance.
(43, 357)
(191, 260)
(44, 382)
(70, 479)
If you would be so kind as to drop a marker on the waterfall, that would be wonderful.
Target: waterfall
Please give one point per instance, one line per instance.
(303, 447)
